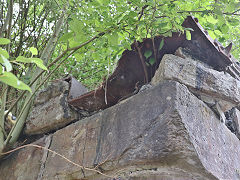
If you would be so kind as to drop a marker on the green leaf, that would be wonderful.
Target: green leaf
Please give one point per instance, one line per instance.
(39, 63)
(168, 34)
(132, 14)
(211, 20)
(66, 36)
(113, 39)
(230, 7)
(217, 32)
(11, 80)
(163, 25)
(99, 1)
(23, 59)
(161, 44)
(147, 64)
(148, 53)
(74, 43)
(6, 63)
(152, 61)
(36, 61)
(221, 20)
(4, 41)
(33, 50)
(218, 11)
(20, 64)
(189, 29)
(1, 69)
(204, 12)
(211, 34)
(224, 29)
(188, 35)
(79, 37)
(76, 25)
(95, 55)
(4, 53)
(234, 22)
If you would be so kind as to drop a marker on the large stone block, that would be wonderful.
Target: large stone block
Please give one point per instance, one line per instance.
(25, 164)
(162, 133)
(56, 88)
(51, 110)
(50, 116)
(209, 84)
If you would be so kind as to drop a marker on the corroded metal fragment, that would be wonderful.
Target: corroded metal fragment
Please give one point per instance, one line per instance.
(131, 73)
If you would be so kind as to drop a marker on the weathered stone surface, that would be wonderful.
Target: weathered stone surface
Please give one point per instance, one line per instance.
(203, 81)
(56, 88)
(162, 133)
(51, 110)
(24, 164)
(236, 119)
(233, 121)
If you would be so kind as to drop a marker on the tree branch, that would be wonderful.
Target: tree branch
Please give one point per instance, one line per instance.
(209, 11)
(143, 62)
(74, 49)
(10, 24)
(6, 22)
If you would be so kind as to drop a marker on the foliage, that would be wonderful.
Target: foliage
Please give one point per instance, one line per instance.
(6, 76)
(87, 37)
(136, 19)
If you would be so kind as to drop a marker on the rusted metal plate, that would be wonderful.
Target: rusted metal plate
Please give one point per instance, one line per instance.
(202, 45)
(130, 72)
(76, 89)
(212, 52)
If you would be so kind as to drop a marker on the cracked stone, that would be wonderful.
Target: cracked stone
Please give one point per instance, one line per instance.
(51, 110)
(209, 85)
(162, 133)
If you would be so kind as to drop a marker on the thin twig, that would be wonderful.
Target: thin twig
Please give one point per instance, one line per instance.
(141, 14)
(154, 51)
(153, 42)
(236, 11)
(54, 152)
(142, 11)
(106, 82)
(208, 11)
(106, 159)
(74, 49)
(143, 62)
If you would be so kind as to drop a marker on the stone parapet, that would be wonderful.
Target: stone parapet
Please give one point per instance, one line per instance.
(164, 132)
